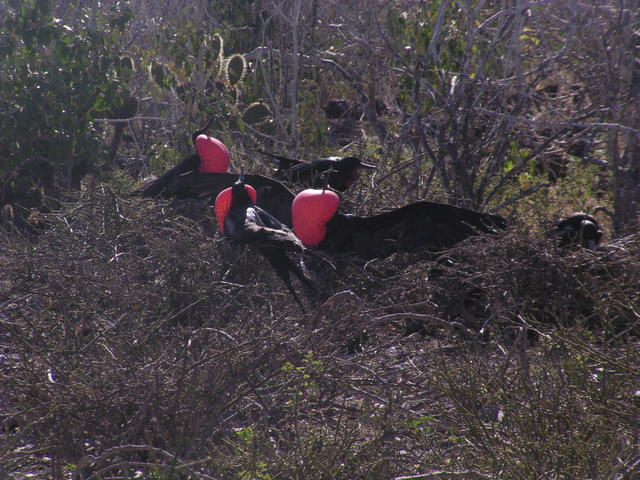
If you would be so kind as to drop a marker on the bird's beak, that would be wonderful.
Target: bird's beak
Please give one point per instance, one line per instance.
(367, 165)
(241, 179)
(206, 127)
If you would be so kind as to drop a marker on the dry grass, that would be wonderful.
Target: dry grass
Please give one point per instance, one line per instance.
(136, 342)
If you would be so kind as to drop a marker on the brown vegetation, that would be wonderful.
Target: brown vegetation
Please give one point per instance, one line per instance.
(135, 342)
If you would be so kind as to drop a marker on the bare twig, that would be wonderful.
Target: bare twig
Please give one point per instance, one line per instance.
(128, 120)
(445, 474)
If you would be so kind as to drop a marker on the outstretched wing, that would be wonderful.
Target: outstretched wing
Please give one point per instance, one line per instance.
(272, 195)
(284, 163)
(163, 185)
(417, 225)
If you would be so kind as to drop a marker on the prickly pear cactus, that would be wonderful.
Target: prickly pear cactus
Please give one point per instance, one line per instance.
(235, 69)
(256, 113)
(214, 54)
(159, 75)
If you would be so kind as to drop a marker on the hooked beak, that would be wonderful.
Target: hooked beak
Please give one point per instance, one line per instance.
(208, 124)
(367, 165)
(241, 179)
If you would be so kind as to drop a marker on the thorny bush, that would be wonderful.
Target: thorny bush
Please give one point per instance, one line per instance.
(133, 338)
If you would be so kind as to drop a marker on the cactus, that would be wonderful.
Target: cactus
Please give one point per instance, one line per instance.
(256, 113)
(236, 67)
(125, 67)
(159, 74)
(226, 70)
(214, 54)
(216, 46)
(126, 63)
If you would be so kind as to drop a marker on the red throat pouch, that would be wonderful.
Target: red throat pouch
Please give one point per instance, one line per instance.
(223, 203)
(310, 211)
(214, 155)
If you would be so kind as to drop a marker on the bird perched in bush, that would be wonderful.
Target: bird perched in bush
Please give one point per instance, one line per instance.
(344, 171)
(243, 222)
(212, 156)
(579, 229)
(434, 226)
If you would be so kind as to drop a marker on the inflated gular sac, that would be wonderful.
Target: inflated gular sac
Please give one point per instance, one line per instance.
(214, 155)
(310, 211)
(223, 203)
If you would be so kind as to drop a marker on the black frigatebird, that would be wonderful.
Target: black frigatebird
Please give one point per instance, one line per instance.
(423, 224)
(212, 156)
(579, 229)
(243, 222)
(273, 196)
(344, 171)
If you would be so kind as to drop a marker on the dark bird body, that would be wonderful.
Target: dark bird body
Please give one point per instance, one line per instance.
(579, 229)
(247, 223)
(166, 183)
(344, 171)
(169, 182)
(417, 225)
(273, 196)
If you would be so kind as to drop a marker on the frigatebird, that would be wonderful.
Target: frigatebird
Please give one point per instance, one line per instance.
(273, 196)
(421, 224)
(212, 156)
(579, 229)
(243, 222)
(343, 171)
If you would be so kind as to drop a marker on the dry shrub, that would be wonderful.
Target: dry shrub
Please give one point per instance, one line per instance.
(135, 339)
(127, 324)
(523, 280)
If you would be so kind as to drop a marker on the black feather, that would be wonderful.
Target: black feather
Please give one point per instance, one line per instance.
(273, 196)
(418, 225)
(343, 171)
(247, 223)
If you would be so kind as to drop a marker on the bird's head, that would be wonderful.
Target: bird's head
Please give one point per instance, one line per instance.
(240, 195)
(310, 211)
(352, 166)
(203, 131)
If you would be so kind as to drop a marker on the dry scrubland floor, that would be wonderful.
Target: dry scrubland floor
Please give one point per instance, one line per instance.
(135, 342)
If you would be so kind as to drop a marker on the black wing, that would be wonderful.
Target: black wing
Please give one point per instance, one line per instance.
(417, 225)
(275, 241)
(297, 171)
(163, 185)
(261, 218)
(272, 195)
(310, 173)
(284, 163)
(344, 172)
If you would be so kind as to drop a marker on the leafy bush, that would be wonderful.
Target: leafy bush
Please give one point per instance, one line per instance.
(53, 77)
